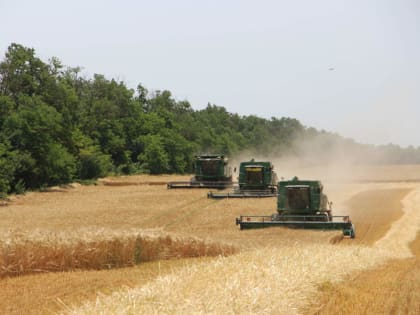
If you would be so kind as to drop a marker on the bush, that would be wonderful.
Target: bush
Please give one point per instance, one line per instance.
(94, 165)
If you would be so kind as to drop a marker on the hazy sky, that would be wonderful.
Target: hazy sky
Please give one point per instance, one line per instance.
(351, 67)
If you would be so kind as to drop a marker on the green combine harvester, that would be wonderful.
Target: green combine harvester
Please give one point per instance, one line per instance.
(300, 204)
(256, 179)
(210, 171)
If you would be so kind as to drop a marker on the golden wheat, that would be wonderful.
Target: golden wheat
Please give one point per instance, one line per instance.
(262, 281)
(403, 231)
(142, 180)
(390, 289)
(265, 281)
(23, 253)
(99, 226)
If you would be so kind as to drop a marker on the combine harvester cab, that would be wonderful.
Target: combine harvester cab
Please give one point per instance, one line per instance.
(210, 171)
(256, 180)
(300, 204)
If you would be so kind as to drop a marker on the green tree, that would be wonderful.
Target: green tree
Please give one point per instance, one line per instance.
(154, 158)
(35, 130)
(7, 168)
(57, 125)
(22, 73)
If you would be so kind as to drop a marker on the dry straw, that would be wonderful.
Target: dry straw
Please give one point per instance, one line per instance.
(405, 229)
(264, 281)
(23, 253)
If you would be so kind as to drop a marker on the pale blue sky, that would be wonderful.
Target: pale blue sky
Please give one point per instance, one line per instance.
(266, 58)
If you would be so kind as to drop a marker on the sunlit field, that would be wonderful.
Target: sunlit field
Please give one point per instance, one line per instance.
(130, 245)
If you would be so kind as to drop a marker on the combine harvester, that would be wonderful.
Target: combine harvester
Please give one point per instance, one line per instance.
(211, 171)
(300, 204)
(256, 179)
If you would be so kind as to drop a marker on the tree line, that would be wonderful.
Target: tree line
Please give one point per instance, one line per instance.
(58, 126)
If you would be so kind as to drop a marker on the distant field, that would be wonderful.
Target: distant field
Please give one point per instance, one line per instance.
(126, 220)
(357, 173)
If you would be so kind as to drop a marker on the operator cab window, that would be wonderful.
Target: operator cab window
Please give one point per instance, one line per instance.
(254, 175)
(209, 167)
(298, 198)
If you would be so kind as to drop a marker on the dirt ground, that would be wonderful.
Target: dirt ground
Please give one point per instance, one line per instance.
(138, 203)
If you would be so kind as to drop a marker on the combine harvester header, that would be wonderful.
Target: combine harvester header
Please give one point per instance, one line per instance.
(210, 171)
(300, 204)
(256, 179)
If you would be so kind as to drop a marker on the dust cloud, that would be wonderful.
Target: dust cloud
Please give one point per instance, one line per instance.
(330, 158)
(344, 167)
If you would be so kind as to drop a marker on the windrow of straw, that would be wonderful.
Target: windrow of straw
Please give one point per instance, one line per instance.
(128, 183)
(22, 253)
(141, 180)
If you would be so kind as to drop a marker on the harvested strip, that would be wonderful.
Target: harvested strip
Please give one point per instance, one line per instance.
(390, 289)
(264, 281)
(50, 293)
(374, 211)
(403, 231)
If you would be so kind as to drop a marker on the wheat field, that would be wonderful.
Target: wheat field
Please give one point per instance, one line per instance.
(39, 252)
(99, 239)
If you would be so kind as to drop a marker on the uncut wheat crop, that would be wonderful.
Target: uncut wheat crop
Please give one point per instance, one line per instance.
(39, 251)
